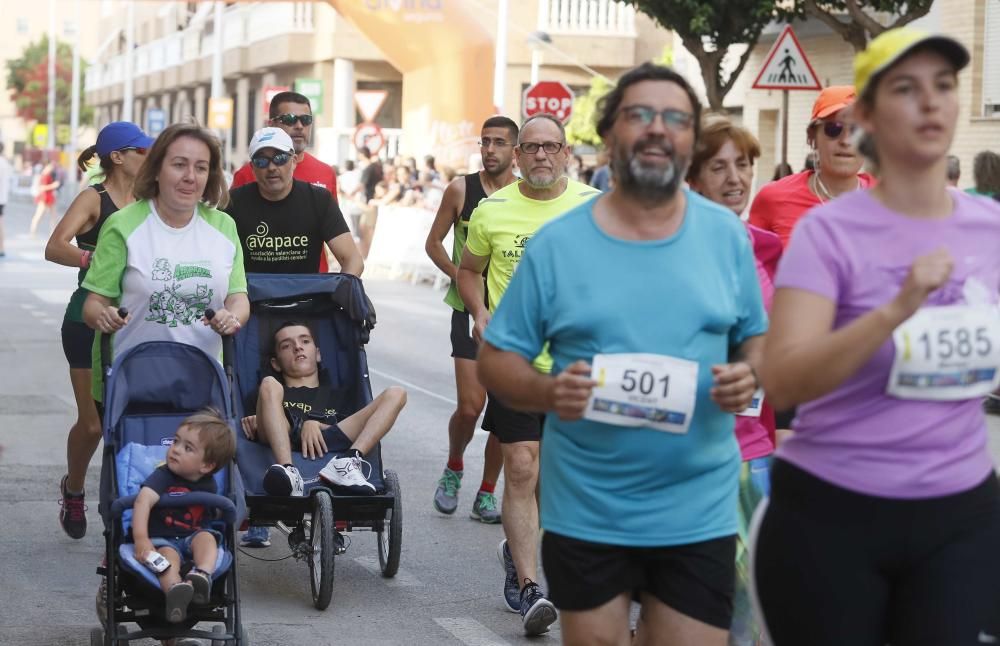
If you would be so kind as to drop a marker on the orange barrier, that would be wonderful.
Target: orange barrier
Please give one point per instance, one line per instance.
(446, 59)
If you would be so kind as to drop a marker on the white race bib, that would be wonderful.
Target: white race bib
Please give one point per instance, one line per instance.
(947, 354)
(648, 390)
(756, 404)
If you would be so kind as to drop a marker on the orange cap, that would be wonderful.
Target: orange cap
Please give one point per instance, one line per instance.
(833, 99)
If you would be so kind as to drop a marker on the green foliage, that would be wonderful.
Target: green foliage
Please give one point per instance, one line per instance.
(28, 82)
(707, 28)
(582, 126)
(858, 21)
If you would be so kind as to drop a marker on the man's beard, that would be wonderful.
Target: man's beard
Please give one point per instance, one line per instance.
(540, 184)
(649, 184)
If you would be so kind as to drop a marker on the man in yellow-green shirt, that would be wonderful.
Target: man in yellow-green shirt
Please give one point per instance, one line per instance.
(499, 229)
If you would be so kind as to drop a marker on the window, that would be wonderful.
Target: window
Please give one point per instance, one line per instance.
(22, 25)
(991, 60)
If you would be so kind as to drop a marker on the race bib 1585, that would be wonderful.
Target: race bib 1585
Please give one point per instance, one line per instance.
(946, 354)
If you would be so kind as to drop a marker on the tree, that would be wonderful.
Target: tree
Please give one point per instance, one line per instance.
(582, 126)
(858, 21)
(707, 28)
(28, 83)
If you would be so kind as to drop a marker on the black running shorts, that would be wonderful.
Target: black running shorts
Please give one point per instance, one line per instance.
(695, 580)
(462, 344)
(77, 343)
(833, 567)
(511, 425)
(332, 435)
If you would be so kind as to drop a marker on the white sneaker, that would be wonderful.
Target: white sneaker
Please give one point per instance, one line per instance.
(280, 480)
(346, 472)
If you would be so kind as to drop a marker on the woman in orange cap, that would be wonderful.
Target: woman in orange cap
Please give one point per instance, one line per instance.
(883, 525)
(779, 205)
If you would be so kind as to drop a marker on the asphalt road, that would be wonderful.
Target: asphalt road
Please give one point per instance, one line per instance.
(448, 591)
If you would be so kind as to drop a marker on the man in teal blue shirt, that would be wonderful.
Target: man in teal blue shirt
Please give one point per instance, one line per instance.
(649, 300)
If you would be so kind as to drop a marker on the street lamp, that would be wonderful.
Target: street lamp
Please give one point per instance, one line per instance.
(536, 40)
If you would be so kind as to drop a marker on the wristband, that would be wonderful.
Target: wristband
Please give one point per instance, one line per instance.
(85, 258)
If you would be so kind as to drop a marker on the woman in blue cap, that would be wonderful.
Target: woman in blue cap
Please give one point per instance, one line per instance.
(121, 148)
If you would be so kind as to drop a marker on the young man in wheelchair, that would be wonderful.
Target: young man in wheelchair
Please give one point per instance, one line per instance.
(298, 413)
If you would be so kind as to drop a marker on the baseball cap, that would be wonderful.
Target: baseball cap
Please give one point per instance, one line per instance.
(271, 138)
(832, 100)
(892, 45)
(121, 134)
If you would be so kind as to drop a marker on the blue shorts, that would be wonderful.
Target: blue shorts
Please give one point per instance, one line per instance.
(182, 544)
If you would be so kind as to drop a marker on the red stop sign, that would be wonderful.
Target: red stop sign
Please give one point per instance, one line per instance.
(551, 97)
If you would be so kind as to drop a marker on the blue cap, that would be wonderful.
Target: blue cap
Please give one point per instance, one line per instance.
(121, 134)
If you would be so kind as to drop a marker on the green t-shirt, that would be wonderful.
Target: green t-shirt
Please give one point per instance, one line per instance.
(165, 277)
(501, 226)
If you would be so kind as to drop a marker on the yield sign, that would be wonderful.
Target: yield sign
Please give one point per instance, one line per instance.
(369, 103)
(786, 66)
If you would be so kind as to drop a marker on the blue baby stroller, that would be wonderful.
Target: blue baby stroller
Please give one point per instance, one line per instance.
(148, 392)
(341, 318)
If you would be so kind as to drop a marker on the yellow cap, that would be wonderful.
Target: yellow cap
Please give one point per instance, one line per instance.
(892, 45)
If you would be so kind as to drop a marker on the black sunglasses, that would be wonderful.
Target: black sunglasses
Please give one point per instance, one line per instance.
(290, 119)
(279, 159)
(834, 129)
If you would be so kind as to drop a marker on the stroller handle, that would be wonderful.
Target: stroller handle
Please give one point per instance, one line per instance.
(106, 346)
(228, 348)
(215, 501)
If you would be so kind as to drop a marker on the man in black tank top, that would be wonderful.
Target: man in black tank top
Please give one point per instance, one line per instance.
(498, 136)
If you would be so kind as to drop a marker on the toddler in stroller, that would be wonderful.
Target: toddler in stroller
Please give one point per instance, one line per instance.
(202, 445)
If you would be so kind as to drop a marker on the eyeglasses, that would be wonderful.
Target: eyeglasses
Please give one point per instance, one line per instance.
(290, 119)
(550, 147)
(138, 149)
(486, 142)
(279, 159)
(643, 115)
(833, 129)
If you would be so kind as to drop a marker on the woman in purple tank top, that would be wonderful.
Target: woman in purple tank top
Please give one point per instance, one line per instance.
(883, 524)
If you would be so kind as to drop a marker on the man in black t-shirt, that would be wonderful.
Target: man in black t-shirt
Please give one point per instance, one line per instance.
(282, 222)
(299, 413)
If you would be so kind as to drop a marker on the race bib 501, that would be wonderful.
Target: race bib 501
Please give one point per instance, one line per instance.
(649, 390)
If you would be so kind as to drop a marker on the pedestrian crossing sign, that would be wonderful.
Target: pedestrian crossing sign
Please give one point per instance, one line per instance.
(786, 66)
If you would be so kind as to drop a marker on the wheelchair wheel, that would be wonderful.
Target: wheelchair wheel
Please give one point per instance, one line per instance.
(321, 541)
(390, 536)
(96, 637)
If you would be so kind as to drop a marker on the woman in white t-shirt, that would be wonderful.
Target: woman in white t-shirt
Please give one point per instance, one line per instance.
(171, 255)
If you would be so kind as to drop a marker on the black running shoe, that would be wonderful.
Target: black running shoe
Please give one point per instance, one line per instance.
(73, 515)
(537, 612)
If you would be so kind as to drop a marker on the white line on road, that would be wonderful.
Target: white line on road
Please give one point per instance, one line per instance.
(469, 631)
(410, 384)
(403, 579)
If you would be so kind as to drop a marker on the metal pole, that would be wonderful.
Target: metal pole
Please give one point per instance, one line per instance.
(784, 126)
(218, 88)
(128, 98)
(536, 64)
(74, 113)
(500, 68)
(51, 107)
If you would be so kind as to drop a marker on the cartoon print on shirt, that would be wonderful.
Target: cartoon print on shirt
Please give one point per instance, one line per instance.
(174, 304)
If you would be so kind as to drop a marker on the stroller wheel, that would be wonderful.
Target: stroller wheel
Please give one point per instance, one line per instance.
(221, 630)
(390, 536)
(321, 567)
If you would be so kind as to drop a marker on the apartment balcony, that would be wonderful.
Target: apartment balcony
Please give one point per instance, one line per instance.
(256, 36)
